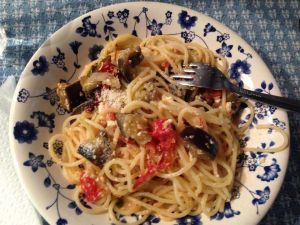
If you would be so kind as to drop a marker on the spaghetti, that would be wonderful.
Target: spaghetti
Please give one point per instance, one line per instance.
(141, 165)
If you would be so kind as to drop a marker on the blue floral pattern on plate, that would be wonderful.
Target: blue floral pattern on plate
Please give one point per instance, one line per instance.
(75, 46)
(73, 205)
(227, 213)
(25, 132)
(271, 172)
(23, 95)
(49, 95)
(38, 161)
(40, 66)
(225, 50)
(35, 162)
(189, 220)
(186, 21)
(88, 28)
(263, 196)
(238, 68)
(208, 28)
(123, 16)
(104, 27)
(151, 220)
(44, 120)
(154, 26)
(59, 59)
(94, 51)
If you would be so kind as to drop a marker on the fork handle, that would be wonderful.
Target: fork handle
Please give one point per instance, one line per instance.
(282, 102)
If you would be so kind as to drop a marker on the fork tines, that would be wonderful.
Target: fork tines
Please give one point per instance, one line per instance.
(183, 76)
(188, 74)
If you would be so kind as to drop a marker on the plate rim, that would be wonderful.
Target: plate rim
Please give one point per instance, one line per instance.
(12, 146)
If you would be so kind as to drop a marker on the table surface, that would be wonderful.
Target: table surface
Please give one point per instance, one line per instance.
(271, 27)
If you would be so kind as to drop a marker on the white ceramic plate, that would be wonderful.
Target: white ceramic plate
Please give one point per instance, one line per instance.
(36, 114)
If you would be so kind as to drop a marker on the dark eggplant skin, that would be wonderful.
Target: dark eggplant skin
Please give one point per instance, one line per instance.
(124, 65)
(191, 94)
(136, 57)
(75, 95)
(97, 151)
(79, 109)
(120, 117)
(201, 139)
(70, 95)
(124, 71)
(187, 94)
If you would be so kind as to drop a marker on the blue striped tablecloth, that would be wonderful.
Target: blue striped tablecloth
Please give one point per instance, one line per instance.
(271, 27)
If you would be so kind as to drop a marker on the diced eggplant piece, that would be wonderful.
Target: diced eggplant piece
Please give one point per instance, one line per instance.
(187, 94)
(124, 71)
(191, 94)
(79, 109)
(70, 95)
(97, 151)
(136, 57)
(133, 126)
(201, 139)
(120, 117)
(178, 91)
(126, 64)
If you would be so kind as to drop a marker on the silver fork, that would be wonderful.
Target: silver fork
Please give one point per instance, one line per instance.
(202, 75)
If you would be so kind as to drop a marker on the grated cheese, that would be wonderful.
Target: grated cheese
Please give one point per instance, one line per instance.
(113, 98)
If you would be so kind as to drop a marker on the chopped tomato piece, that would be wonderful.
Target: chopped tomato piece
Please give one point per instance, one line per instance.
(164, 133)
(130, 141)
(151, 170)
(111, 116)
(164, 65)
(91, 189)
(91, 107)
(166, 160)
(151, 149)
(160, 154)
(214, 93)
(107, 66)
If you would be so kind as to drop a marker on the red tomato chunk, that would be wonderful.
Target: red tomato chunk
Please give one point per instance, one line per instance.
(165, 134)
(160, 151)
(111, 116)
(107, 66)
(164, 65)
(91, 189)
(215, 93)
(150, 172)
